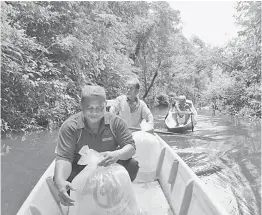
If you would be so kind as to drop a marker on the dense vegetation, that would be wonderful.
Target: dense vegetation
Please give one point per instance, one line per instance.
(50, 49)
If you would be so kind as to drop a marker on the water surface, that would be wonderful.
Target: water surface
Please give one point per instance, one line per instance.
(230, 164)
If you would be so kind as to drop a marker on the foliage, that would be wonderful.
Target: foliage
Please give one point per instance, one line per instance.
(162, 99)
(240, 60)
(50, 49)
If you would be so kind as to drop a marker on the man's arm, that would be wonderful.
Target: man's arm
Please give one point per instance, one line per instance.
(63, 166)
(125, 141)
(111, 157)
(146, 114)
(65, 150)
(63, 169)
(126, 152)
(177, 107)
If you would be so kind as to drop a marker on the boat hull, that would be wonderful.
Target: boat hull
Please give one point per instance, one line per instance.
(180, 129)
(175, 190)
(170, 125)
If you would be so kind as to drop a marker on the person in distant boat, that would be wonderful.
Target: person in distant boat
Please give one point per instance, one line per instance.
(99, 130)
(172, 106)
(172, 101)
(214, 107)
(182, 105)
(130, 108)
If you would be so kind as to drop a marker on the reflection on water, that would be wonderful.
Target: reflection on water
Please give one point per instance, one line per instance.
(230, 165)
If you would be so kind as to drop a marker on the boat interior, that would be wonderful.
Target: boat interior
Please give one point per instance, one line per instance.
(174, 190)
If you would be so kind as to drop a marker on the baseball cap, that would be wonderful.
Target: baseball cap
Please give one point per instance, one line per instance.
(91, 92)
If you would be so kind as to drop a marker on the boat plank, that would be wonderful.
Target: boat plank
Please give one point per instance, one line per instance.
(151, 198)
(187, 198)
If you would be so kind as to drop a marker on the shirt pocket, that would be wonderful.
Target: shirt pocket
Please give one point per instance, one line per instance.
(108, 142)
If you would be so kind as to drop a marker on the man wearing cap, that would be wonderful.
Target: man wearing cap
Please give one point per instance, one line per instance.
(130, 108)
(101, 131)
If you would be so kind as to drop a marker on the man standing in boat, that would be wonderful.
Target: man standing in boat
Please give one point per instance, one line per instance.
(130, 108)
(214, 106)
(101, 131)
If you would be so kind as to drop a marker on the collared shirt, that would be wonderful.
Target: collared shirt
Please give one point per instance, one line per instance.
(133, 105)
(132, 118)
(74, 134)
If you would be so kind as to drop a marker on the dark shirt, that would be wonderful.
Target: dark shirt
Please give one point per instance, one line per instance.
(74, 134)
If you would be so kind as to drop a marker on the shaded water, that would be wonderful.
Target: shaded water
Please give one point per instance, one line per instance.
(229, 165)
(24, 159)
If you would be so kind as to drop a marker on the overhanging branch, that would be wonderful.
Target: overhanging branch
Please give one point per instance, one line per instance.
(153, 80)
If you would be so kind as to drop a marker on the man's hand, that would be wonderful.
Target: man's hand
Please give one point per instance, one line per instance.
(109, 158)
(63, 187)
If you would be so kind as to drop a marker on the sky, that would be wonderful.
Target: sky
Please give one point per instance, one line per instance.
(211, 21)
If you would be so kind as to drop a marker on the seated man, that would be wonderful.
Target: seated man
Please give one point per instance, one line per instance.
(101, 131)
(181, 106)
(130, 108)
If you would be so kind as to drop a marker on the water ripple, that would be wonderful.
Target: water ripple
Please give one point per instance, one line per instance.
(230, 166)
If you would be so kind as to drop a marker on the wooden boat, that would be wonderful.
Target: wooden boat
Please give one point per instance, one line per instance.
(171, 124)
(175, 190)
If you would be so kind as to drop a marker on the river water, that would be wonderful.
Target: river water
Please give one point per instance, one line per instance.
(229, 164)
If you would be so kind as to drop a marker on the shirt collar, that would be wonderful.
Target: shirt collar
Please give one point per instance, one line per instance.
(81, 121)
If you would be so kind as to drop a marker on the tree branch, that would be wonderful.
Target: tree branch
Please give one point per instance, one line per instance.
(45, 50)
(145, 68)
(153, 80)
(141, 42)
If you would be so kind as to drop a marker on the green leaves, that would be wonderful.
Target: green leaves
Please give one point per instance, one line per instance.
(51, 49)
(238, 65)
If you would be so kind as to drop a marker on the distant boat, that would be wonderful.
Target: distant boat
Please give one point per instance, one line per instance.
(171, 124)
(175, 189)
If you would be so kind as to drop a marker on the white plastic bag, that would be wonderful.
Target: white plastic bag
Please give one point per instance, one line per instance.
(147, 154)
(145, 126)
(102, 190)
